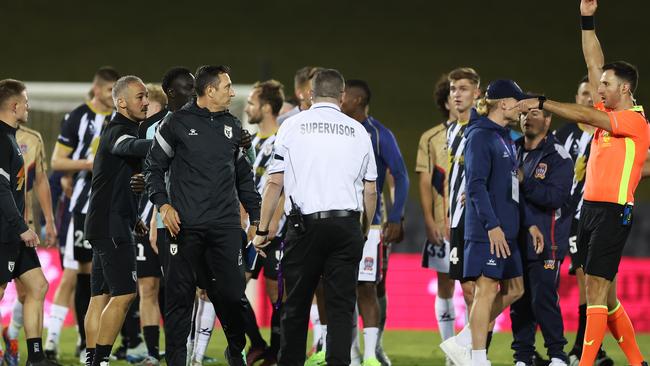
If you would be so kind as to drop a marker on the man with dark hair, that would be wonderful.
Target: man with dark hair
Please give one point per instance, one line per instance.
(17, 240)
(576, 140)
(545, 177)
(301, 86)
(325, 238)
(432, 165)
(262, 108)
(618, 152)
(73, 154)
(112, 216)
(208, 178)
(355, 105)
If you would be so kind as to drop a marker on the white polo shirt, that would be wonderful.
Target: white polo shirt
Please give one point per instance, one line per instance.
(325, 156)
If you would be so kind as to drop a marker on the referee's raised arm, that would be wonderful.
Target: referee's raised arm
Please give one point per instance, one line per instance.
(591, 49)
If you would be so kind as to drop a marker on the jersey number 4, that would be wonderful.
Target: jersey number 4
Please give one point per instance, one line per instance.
(453, 256)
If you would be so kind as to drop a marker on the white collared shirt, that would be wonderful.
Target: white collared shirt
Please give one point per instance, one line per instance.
(325, 156)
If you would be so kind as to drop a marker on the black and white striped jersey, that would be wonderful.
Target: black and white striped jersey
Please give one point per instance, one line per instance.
(80, 130)
(263, 153)
(577, 142)
(456, 149)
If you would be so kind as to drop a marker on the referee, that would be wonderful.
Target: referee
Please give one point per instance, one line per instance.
(330, 179)
(618, 153)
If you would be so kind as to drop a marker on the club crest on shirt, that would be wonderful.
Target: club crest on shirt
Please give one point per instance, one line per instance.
(11, 266)
(173, 249)
(227, 130)
(540, 171)
(549, 264)
(23, 148)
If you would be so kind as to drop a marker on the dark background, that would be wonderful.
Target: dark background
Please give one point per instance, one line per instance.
(399, 47)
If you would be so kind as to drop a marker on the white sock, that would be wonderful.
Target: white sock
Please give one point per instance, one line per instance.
(54, 325)
(370, 336)
(324, 337)
(464, 337)
(446, 316)
(479, 357)
(315, 322)
(16, 323)
(205, 317)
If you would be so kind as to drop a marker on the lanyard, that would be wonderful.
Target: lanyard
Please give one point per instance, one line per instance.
(510, 151)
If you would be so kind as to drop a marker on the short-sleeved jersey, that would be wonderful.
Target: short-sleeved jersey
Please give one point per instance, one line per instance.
(80, 131)
(31, 146)
(263, 146)
(432, 158)
(325, 156)
(577, 142)
(617, 157)
(456, 150)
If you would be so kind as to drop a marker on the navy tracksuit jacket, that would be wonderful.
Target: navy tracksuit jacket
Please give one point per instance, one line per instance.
(548, 176)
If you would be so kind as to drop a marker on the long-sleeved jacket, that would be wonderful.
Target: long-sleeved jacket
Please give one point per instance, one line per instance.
(548, 176)
(113, 209)
(12, 186)
(489, 164)
(209, 175)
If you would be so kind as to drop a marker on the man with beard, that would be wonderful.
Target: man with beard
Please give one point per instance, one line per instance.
(112, 216)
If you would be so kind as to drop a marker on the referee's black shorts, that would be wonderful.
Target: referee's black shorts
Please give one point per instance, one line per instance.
(601, 238)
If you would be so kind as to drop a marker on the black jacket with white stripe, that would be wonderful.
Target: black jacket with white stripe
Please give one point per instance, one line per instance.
(113, 209)
(208, 173)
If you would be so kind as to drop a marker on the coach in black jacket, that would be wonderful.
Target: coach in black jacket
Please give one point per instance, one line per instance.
(112, 215)
(208, 177)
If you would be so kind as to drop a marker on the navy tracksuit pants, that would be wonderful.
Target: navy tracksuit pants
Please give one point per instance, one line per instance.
(539, 306)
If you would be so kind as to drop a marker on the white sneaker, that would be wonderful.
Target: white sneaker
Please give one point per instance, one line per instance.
(461, 356)
(557, 362)
(519, 363)
(82, 356)
(138, 353)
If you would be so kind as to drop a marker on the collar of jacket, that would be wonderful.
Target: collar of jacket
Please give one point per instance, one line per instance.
(4, 126)
(547, 145)
(203, 112)
(123, 120)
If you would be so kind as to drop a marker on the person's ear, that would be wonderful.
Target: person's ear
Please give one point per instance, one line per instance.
(121, 103)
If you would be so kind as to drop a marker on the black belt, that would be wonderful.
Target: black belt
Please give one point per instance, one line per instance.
(331, 213)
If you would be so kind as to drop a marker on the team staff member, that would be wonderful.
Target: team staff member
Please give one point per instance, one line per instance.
(576, 139)
(432, 165)
(355, 104)
(73, 154)
(329, 165)
(492, 220)
(546, 176)
(18, 259)
(207, 180)
(618, 153)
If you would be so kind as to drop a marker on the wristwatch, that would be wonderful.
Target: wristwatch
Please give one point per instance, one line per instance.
(541, 99)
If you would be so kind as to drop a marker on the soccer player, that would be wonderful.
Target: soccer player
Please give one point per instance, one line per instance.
(301, 88)
(492, 220)
(32, 149)
(576, 139)
(18, 259)
(545, 176)
(618, 152)
(432, 165)
(73, 154)
(355, 104)
(112, 216)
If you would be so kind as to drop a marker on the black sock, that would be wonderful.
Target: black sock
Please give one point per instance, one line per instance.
(102, 354)
(35, 349)
(488, 341)
(81, 300)
(580, 334)
(131, 326)
(275, 331)
(252, 330)
(90, 355)
(151, 336)
(161, 301)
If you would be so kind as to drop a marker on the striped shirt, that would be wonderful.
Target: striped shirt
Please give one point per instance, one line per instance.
(80, 131)
(263, 153)
(456, 149)
(577, 142)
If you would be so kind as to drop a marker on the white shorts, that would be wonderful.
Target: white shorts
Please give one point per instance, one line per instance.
(68, 253)
(436, 256)
(369, 265)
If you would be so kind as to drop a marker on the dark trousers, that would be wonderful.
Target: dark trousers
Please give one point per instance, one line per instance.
(210, 259)
(539, 306)
(331, 248)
